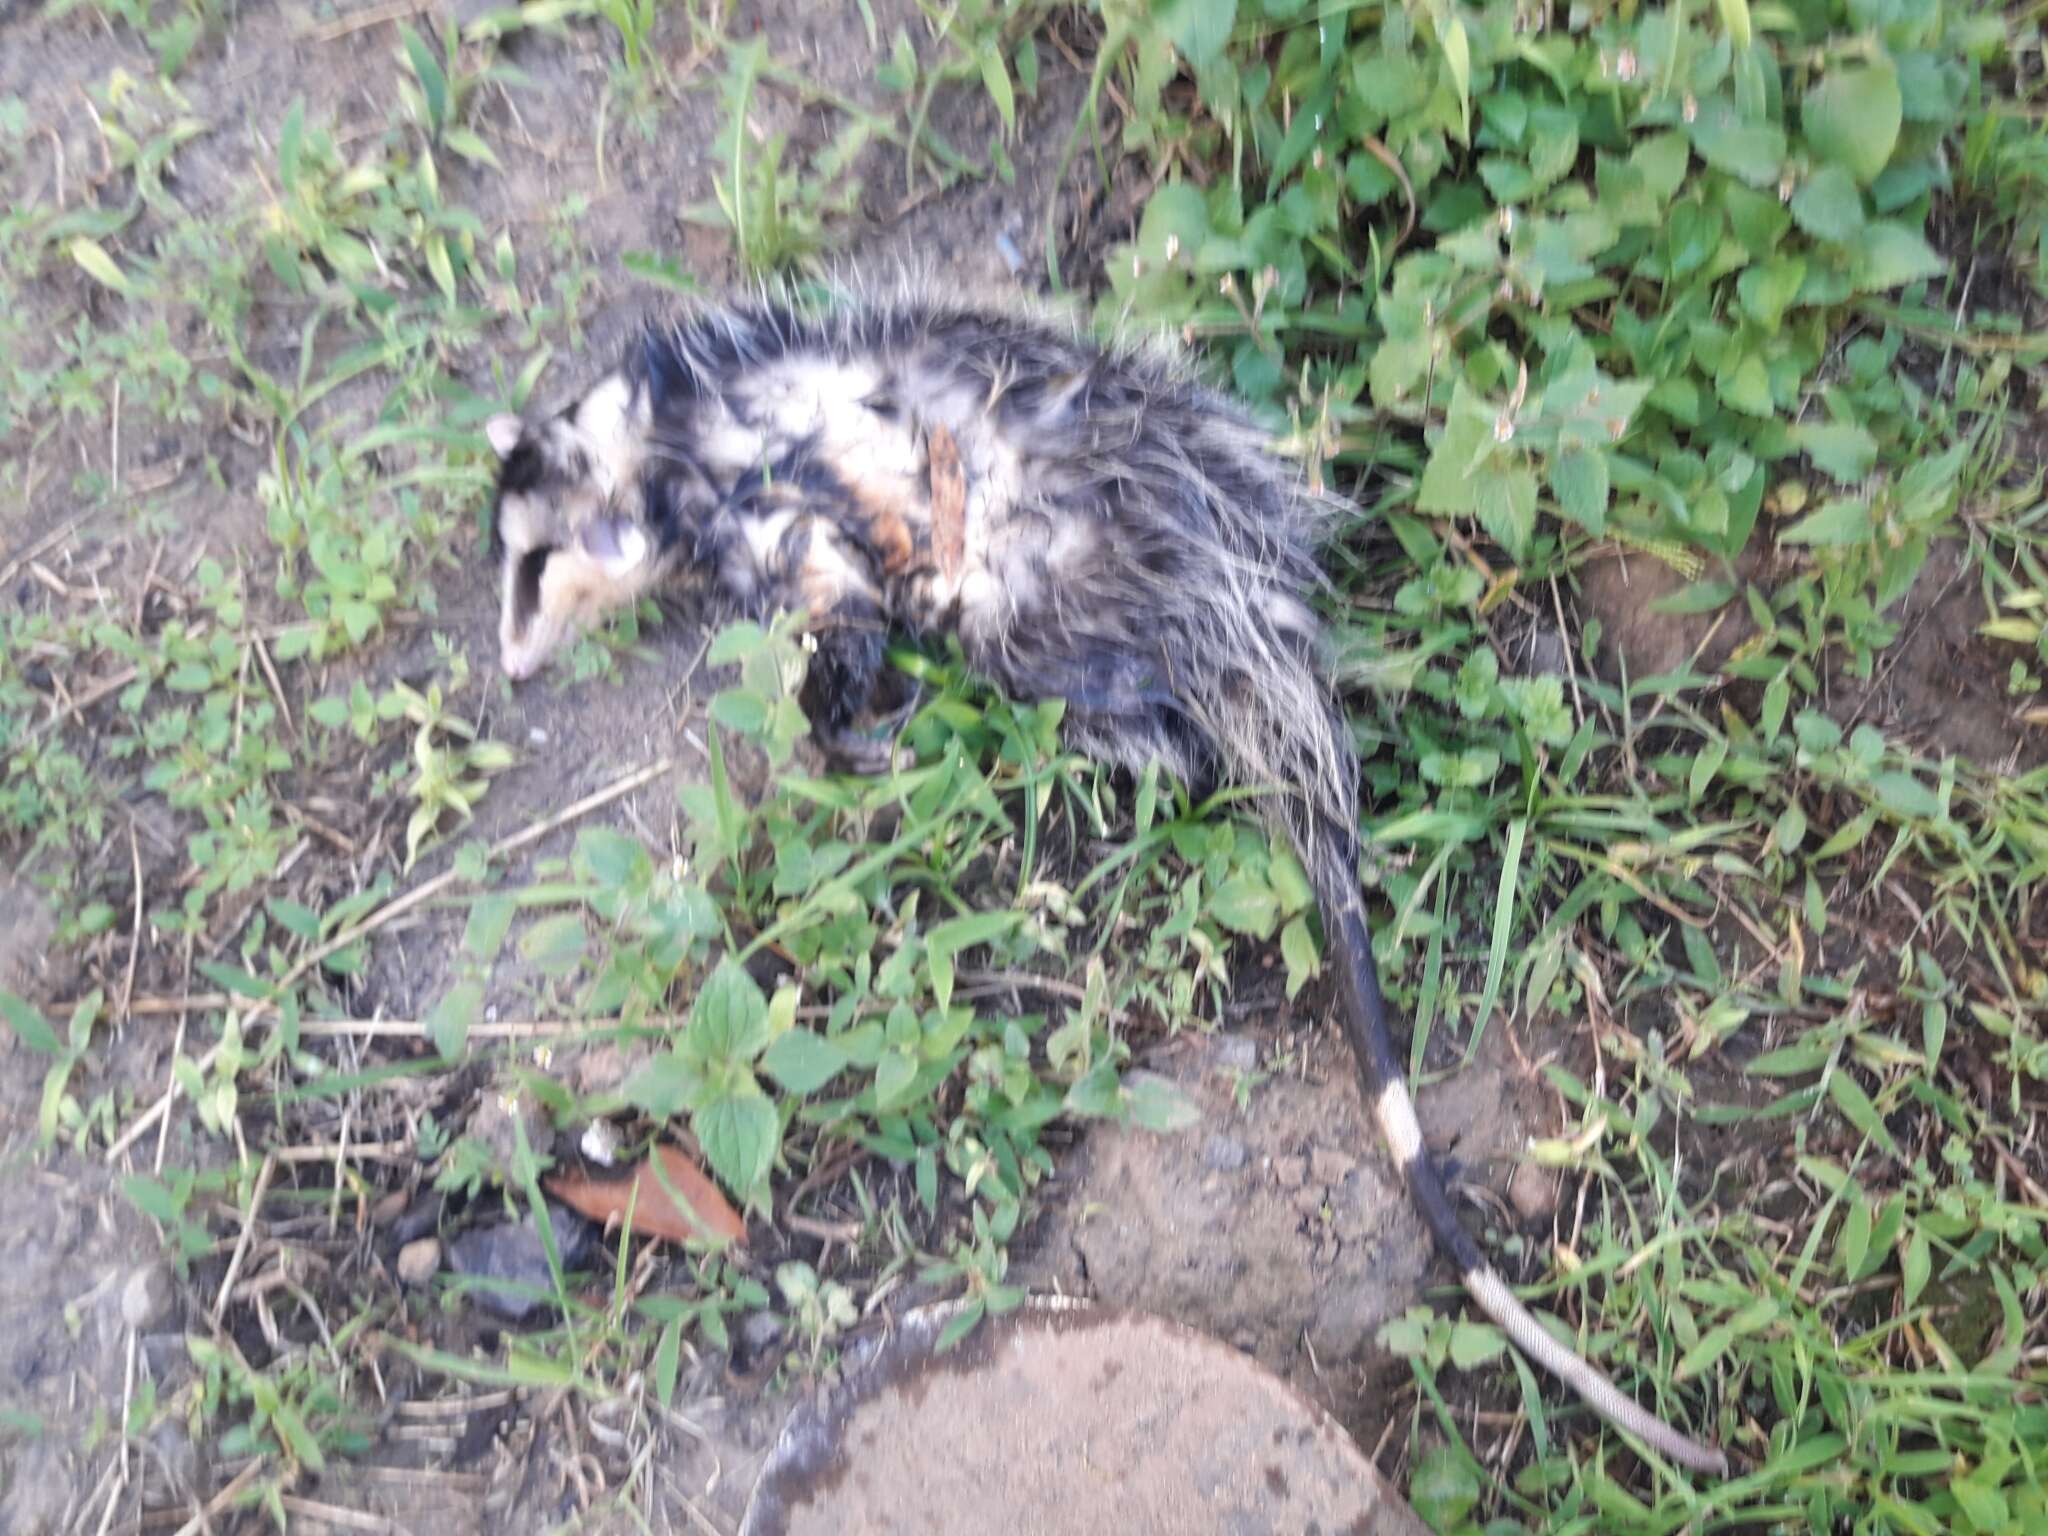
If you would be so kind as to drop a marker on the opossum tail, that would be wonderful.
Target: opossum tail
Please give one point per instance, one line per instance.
(1364, 1015)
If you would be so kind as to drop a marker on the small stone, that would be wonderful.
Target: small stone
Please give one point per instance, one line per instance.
(1292, 1172)
(147, 1298)
(1329, 1166)
(1309, 1201)
(419, 1260)
(1224, 1153)
(390, 1207)
(1236, 1053)
(537, 736)
(1533, 1191)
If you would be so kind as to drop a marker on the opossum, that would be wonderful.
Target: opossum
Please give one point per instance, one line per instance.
(1091, 524)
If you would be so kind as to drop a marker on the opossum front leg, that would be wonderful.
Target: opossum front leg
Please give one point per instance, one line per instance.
(831, 579)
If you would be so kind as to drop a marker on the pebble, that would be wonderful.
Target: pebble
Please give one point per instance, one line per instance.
(1236, 1053)
(1292, 1172)
(147, 1298)
(419, 1260)
(1533, 1191)
(1225, 1153)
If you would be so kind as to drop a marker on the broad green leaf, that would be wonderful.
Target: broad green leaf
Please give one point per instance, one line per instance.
(1841, 449)
(29, 1026)
(1744, 384)
(1507, 504)
(1158, 1104)
(1578, 479)
(803, 1061)
(1444, 1489)
(1298, 949)
(449, 1024)
(1828, 205)
(1245, 905)
(554, 944)
(665, 1086)
(1475, 1343)
(1843, 521)
(1751, 152)
(729, 1020)
(1903, 795)
(739, 1133)
(1852, 118)
(1198, 28)
(1889, 255)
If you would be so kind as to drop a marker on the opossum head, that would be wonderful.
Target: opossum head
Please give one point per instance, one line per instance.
(572, 538)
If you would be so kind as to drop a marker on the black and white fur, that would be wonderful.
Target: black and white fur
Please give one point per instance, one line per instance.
(1114, 534)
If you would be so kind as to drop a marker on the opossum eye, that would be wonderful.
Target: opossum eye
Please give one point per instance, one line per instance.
(526, 586)
(615, 544)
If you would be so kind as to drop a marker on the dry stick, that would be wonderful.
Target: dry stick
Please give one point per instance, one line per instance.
(221, 1500)
(227, 1281)
(135, 939)
(391, 910)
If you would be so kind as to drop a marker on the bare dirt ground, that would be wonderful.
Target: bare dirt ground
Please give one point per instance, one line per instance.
(1276, 1224)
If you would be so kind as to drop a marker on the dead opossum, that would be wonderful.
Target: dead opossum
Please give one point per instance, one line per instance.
(1090, 526)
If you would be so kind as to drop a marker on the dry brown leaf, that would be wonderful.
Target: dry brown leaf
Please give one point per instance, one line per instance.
(706, 1213)
(949, 501)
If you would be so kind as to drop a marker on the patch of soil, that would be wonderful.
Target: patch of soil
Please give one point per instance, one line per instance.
(1283, 1227)
(1940, 687)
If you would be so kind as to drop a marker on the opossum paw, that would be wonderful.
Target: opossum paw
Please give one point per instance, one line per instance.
(849, 751)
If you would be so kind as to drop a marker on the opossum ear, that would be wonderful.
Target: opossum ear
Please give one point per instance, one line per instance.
(615, 544)
(504, 432)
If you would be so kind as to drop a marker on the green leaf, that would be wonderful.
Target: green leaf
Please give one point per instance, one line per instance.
(1198, 28)
(1828, 205)
(554, 944)
(1735, 21)
(1444, 1488)
(1856, 1107)
(483, 934)
(467, 143)
(803, 1061)
(1245, 905)
(1158, 1104)
(99, 266)
(729, 1021)
(1916, 1263)
(433, 81)
(1889, 255)
(1750, 152)
(1843, 521)
(1507, 504)
(665, 1086)
(1768, 289)
(1298, 949)
(1475, 1344)
(1903, 795)
(1840, 449)
(739, 1132)
(1458, 60)
(449, 1024)
(29, 1026)
(1578, 479)
(995, 78)
(1744, 384)
(1852, 118)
